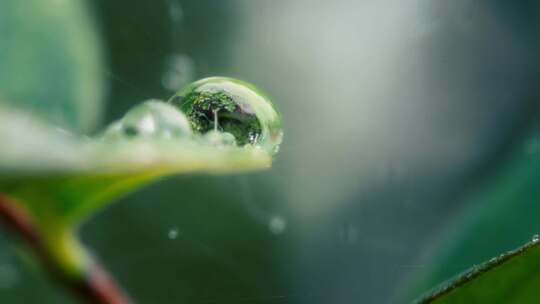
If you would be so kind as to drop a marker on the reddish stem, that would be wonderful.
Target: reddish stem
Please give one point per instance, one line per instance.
(96, 286)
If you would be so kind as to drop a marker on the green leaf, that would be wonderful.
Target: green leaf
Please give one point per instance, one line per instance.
(497, 217)
(58, 179)
(50, 61)
(509, 278)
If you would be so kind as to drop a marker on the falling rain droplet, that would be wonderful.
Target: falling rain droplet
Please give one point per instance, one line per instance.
(173, 233)
(277, 224)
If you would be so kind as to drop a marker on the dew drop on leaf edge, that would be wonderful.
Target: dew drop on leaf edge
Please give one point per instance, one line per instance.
(229, 105)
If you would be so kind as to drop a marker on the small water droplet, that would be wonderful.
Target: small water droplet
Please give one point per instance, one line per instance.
(9, 276)
(536, 238)
(173, 233)
(175, 11)
(277, 224)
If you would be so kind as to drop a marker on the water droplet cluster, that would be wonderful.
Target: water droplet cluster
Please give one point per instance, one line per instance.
(217, 110)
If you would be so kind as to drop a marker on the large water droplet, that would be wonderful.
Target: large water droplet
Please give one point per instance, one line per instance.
(240, 108)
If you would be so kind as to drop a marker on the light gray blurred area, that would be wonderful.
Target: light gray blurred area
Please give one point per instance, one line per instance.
(390, 108)
(393, 111)
(372, 90)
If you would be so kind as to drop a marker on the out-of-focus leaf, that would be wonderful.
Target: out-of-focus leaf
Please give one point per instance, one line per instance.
(512, 277)
(50, 61)
(495, 219)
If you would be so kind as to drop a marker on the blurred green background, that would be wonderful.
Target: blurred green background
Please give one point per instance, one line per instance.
(395, 112)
